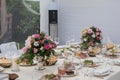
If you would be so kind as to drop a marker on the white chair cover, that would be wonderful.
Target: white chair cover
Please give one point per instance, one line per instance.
(11, 46)
(9, 50)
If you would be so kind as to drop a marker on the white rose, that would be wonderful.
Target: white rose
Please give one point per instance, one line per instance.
(85, 39)
(93, 35)
(41, 48)
(36, 44)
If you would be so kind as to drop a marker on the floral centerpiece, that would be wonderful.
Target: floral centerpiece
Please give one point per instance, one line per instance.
(37, 45)
(91, 37)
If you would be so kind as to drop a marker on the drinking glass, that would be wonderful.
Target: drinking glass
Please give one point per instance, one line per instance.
(84, 71)
(56, 40)
(70, 40)
(39, 63)
(61, 70)
(99, 57)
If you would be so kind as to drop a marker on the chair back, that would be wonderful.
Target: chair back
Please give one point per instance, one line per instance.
(10, 46)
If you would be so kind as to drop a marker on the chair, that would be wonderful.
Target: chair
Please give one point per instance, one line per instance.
(10, 46)
(9, 49)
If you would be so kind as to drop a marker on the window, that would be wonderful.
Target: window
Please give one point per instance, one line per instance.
(20, 18)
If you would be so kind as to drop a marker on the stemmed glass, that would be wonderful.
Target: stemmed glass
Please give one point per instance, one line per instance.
(39, 63)
(56, 40)
(99, 57)
(84, 71)
(70, 40)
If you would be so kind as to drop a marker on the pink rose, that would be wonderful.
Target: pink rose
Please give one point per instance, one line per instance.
(47, 37)
(28, 41)
(89, 31)
(35, 50)
(25, 49)
(91, 43)
(47, 46)
(37, 36)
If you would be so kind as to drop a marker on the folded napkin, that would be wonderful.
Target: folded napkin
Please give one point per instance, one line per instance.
(101, 71)
(4, 76)
(117, 62)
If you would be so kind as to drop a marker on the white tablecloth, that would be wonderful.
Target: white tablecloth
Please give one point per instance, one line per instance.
(29, 72)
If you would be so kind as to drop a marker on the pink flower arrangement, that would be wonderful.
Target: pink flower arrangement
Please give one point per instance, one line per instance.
(38, 45)
(91, 37)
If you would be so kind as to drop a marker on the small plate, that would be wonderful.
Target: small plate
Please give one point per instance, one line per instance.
(96, 64)
(21, 64)
(105, 72)
(40, 68)
(44, 77)
(102, 75)
(70, 75)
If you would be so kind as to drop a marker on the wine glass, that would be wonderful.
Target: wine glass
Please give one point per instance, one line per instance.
(84, 71)
(70, 40)
(39, 63)
(99, 57)
(56, 40)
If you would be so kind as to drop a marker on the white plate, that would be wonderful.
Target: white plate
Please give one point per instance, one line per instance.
(102, 74)
(1, 68)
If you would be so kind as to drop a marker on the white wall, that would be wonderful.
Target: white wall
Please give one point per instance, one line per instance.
(44, 7)
(75, 15)
(44, 15)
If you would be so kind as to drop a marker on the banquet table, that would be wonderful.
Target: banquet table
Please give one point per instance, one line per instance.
(29, 72)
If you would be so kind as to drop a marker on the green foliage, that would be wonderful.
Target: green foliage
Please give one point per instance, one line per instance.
(23, 17)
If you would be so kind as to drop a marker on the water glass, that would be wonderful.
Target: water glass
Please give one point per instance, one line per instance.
(99, 57)
(56, 40)
(61, 70)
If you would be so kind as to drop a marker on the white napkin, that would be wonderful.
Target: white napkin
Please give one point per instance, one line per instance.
(117, 61)
(4, 76)
(100, 71)
(62, 46)
(75, 60)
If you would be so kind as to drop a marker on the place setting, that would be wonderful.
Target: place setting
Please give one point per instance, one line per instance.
(99, 72)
